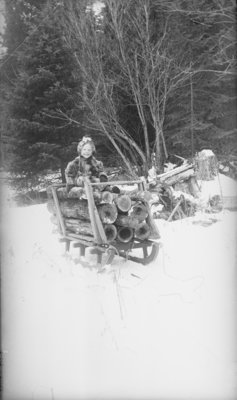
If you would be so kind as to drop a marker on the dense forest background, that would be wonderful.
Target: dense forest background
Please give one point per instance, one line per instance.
(145, 78)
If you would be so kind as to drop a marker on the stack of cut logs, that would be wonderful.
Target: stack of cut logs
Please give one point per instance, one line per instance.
(124, 216)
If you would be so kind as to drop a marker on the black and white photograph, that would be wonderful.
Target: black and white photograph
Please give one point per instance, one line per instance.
(118, 224)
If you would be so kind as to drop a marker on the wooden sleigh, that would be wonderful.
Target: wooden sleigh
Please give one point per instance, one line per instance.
(123, 243)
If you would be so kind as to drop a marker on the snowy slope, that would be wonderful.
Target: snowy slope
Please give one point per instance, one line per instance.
(166, 330)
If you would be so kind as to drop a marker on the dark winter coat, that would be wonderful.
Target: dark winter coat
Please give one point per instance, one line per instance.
(80, 167)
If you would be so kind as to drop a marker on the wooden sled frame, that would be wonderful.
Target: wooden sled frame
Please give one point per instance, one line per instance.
(99, 241)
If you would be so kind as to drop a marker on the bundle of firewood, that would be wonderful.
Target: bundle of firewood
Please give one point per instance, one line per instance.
(124, 216)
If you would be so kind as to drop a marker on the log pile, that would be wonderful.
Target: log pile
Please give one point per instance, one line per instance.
(180, 189)
(177, 191)
(173, 204)
(124, 216)
(181, 178)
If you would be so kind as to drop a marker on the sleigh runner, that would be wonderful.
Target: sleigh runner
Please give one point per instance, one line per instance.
(106, 218)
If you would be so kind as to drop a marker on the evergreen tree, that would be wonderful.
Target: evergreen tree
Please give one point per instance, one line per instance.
(205, 106)
(146, 75)
(45, 86)
(19, 16)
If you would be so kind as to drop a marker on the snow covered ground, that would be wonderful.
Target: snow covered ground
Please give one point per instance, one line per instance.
(162, 331)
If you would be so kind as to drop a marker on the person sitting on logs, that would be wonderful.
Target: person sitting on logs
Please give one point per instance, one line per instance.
(84, 165)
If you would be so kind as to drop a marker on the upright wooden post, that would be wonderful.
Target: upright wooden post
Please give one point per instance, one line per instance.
(192, 116)
(96, 223)
(58, 211)
(206, 165)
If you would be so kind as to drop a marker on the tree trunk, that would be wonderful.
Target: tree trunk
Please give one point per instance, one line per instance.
(76, 225)
(182, 176)
(158, 152)
(206, 165)
(77, 192)
(62, 169)
(163, 143)
(71, 208)
(175, 174)
(63, 194)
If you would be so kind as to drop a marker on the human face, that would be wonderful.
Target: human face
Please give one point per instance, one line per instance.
(86, 151)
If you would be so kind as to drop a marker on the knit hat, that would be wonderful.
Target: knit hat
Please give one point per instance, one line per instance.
(85, 140)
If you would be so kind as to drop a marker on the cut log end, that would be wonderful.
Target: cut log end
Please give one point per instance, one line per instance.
(125, 234)
(107, 197)
(110, 232)
(143, 231)
(139, 211)
(124, 203)
(108, 213)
